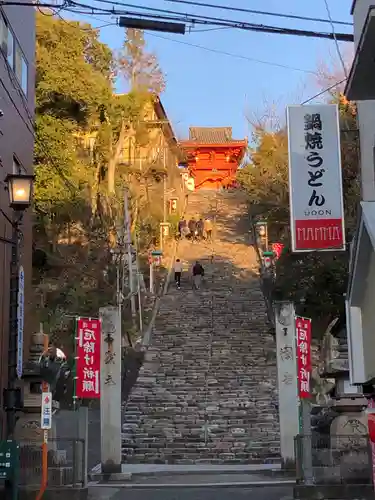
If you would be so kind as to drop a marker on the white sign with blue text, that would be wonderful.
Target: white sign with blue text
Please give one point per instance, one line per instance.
(46, 416)
(20, 320)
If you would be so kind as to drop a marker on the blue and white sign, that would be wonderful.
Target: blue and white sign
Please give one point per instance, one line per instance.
(20, 320)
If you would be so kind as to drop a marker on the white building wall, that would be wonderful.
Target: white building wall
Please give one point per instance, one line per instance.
(366, 114)
(355, 344)
(361, 296)
(368, 322)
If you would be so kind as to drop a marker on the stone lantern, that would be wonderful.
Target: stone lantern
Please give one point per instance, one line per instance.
(28, 426)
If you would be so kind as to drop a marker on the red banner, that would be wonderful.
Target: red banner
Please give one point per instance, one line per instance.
(371, 431)
(303, 334)
(277, 249)
(88, 358)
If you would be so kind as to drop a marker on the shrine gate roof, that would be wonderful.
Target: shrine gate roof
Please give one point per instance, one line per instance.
(211, 135)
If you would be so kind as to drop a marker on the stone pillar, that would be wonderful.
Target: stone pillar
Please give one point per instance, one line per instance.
(287, 378)
(82, 448)
(110, 390)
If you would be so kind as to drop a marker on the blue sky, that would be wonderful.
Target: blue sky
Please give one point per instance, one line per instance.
(211, 89)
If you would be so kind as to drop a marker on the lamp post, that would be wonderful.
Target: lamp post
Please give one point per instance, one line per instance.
(19, 189)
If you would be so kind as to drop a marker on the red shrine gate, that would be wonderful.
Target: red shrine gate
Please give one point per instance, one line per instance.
(213, 157)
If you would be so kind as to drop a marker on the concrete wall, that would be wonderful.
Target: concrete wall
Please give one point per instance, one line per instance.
(366, 114)
(16, 140)
(368, 321)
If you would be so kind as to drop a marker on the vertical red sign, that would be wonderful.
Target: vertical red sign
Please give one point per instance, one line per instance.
(277, 249)
(88, 358)
(371, 431)
(303, 334)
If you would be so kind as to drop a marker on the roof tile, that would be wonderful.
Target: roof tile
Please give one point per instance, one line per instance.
(210, 135)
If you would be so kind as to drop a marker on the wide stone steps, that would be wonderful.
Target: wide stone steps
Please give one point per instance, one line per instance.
(207, 390)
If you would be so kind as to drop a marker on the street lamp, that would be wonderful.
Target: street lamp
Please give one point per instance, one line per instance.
(19, 189)
(261, 234)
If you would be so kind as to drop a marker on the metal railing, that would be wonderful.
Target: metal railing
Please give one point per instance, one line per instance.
(336, 459)
(66, 463)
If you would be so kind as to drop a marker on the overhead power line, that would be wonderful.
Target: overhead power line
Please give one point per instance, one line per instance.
(230, 54)
(259, 12)
(213, 21)
(187, 18)
(331, 87)
(335, 38)
(208, 49)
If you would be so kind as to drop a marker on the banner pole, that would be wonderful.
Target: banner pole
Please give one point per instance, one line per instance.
(45, 388)
(75, 364)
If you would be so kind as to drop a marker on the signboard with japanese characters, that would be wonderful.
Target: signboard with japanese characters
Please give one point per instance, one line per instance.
(46, 411)
(315, 180)
(20, 320)
(9, 459)
(88, 358)
(110, 380)
(287, 377)
(303, 337)
(190, 184)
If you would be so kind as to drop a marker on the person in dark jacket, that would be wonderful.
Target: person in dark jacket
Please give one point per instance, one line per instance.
(198, 273)
(193, 229)
(200, 227)
(182, 228)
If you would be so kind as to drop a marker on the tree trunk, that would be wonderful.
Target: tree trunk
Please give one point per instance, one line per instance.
(95, 194)
(115, 156)
(135, 216)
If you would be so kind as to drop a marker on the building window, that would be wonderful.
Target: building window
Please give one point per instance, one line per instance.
(18, 62)
(17, 167)
(20, 68)
(25, 76)
(12, 50)
(3, 35)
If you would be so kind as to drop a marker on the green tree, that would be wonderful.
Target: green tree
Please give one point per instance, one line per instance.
(74, 89)
(73, 79)
(81, 129)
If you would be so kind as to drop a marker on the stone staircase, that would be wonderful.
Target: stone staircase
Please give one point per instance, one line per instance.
(207, 391)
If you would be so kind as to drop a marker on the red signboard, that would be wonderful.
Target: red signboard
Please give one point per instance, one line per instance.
(88, 358)
(319, 234)
(277, 249)
(371, 431)
(303, 334)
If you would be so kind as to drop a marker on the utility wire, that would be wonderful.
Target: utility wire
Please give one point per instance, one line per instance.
(214, 21)
(323, 91)
(29, 127)
(76, 24)
(209, 29)
(259, 12)
(335, 38)
(229, 54)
